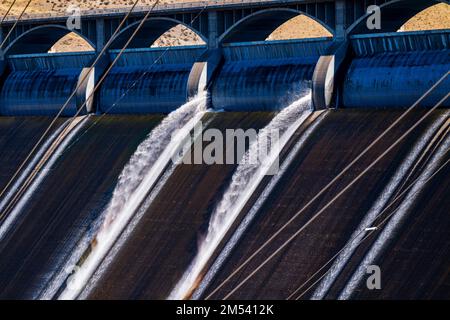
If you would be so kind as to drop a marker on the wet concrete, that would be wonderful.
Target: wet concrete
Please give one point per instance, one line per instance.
(67, 203)
(154, 257)
(341, 136)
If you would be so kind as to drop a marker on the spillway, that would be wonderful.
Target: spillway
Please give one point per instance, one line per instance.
(265, 76)
(40, 84)
(138, 178)
(386, 196)
(251, 170)
(21, 131)
(421, 248)
(421, 243)
(148, 216)
(148, 81)
(327, 151)
(172, 223)
(109, 213)
(393, 70)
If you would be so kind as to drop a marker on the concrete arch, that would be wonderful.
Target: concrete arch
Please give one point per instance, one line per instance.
(149, 33)
(40, 39)
(259, 25)
(394, 14)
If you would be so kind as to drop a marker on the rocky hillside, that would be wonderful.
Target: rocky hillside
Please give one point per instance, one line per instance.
(436, 17)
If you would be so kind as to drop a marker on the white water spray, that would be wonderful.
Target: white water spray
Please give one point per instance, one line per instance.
(136, 180)
(244, 182)
(246, 222)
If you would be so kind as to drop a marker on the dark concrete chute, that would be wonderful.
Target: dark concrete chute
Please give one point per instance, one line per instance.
(151, 31)
(259, 26)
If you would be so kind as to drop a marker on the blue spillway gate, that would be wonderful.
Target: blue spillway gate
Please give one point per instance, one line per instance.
(382, 71)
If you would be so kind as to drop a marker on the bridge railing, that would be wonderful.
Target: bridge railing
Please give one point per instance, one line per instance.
(160, 8)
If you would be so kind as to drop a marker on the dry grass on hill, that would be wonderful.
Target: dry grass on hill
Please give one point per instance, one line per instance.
(435, 17)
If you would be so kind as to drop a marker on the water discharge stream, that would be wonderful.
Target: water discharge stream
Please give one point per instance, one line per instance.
(244, 182)
(135, 182)
(38, 169)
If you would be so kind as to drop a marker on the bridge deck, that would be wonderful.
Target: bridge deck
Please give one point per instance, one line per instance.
(162, 8)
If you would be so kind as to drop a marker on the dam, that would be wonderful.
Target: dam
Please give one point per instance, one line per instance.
(94, 206)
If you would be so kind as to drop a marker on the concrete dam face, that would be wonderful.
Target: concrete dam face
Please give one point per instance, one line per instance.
(117, 202)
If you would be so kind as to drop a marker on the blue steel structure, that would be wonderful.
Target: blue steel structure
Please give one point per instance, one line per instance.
(354, 68)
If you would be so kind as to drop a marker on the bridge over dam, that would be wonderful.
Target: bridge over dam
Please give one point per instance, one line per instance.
(100, 191)
(217, 21)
